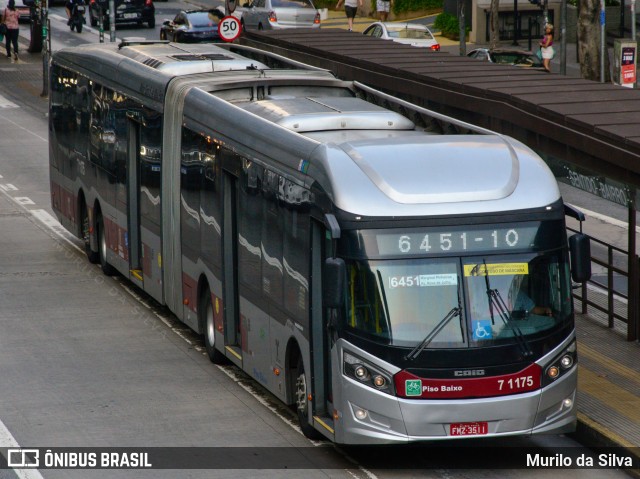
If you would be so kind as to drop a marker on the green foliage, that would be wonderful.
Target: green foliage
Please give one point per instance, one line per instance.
(402, 6)
(447, 24)
(330, 4)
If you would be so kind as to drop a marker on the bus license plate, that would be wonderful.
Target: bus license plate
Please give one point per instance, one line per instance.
(468, 429)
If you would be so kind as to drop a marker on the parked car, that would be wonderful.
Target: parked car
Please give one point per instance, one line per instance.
(276, 14)
(192, 26)
(504, 56)
(127, 11)
(408, 33)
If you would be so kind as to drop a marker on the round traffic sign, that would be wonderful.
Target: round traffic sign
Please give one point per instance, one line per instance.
(229, 28)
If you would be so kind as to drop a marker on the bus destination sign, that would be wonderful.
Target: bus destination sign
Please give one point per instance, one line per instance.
(457, 240)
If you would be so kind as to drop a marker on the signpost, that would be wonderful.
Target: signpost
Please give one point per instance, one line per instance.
(229, 28)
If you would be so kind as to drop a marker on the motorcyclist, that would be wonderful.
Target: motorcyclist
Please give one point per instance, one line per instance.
(68, 6)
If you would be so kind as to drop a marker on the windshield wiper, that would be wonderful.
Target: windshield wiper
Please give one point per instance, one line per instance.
(455, 311)
(496, 301)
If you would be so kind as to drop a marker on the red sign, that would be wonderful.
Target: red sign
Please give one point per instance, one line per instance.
(411, 386)
(628, 66)
(468, 428)
(229, 28)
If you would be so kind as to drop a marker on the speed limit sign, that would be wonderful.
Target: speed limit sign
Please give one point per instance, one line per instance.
(229, 28)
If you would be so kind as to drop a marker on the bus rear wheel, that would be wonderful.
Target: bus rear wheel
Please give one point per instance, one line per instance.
(302, 404)
(107, 269)
(92, 256)
(208, 322)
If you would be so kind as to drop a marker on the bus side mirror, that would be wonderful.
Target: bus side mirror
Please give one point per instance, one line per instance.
(580, 250)
(335, 274)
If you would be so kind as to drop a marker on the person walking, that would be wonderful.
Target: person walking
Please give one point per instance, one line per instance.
(383, 7)
(350, 8)
(10, 19)
(546, 47)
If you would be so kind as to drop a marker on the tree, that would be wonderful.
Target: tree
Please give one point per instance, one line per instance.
(589, 41)
(493, 24)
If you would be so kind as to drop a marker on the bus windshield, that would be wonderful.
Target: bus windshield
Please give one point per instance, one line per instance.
(400, 302)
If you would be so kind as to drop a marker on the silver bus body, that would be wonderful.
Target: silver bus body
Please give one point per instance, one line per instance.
(316, 145)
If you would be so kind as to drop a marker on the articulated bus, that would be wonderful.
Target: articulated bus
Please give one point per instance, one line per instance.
(392, 274)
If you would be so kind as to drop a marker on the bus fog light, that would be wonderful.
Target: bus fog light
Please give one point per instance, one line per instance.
(379, 381)
(360, 372)
(567, 403)
(566, 362)
(553, 372)
(359, 413)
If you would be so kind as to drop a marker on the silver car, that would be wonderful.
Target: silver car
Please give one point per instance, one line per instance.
(276, 14)
(408, 33)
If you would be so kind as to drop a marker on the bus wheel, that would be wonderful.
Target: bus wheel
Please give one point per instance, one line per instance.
(92, 256)
(215, 356)
(107, 269)
(302, 405)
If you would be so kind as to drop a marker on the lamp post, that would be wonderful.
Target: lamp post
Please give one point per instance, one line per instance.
(515, 23)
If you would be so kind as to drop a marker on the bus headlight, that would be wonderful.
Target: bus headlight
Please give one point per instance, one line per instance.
(366, 373)
(560, 365)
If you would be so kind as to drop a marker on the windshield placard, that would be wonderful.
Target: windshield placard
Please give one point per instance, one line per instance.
(497, 269)
(423, 280)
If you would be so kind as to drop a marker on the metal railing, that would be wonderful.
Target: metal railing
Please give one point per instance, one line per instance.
(608, 306)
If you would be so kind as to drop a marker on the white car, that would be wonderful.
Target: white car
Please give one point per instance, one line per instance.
(408, 33)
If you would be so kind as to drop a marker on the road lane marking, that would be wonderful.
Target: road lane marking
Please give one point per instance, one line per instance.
(6, 103)
(7, 440)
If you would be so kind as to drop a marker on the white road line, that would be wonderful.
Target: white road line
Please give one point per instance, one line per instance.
(6, 104)
(50, 222)
(7, 440)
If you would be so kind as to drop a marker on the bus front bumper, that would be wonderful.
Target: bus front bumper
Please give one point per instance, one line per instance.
(372, 417)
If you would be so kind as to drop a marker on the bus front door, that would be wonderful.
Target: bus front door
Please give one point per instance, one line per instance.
(321, 335)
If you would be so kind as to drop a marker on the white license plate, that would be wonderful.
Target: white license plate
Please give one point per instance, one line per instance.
(130, 15)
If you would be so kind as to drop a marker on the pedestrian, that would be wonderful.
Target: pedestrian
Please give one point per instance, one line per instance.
(350, 8)
(546, 47)
(383, 7)
(10, 19)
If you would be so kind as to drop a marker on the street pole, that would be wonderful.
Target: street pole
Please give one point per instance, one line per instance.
(44, 17)
(563, 41)
(515, 23)
(462, 29)
(112, 21)
(602, 40)
(633, 20)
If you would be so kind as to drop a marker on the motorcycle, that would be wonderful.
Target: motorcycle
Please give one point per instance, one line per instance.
(77, 20)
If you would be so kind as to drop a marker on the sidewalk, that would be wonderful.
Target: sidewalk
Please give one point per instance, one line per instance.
(609, 366)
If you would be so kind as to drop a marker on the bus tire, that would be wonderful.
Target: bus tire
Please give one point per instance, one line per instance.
(209, 329)
(92, 256)
(302, 404)
(107, 269)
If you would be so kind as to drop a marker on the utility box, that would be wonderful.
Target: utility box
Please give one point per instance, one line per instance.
(625, 55)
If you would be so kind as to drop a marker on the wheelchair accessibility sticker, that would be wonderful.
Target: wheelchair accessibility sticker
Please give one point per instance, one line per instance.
(482, 329)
